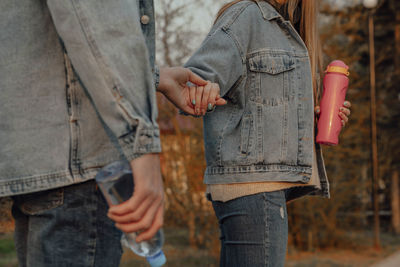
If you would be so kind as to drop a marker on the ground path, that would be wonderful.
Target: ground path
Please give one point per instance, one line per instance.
(391, 261)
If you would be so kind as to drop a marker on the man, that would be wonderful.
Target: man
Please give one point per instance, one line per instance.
(77, 93)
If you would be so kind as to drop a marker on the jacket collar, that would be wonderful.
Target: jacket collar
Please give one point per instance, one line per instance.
(268, 11)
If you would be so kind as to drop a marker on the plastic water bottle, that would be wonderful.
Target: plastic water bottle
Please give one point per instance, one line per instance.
(336, 82)
(116, 183)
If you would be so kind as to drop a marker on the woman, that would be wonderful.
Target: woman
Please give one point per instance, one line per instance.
(260, 148)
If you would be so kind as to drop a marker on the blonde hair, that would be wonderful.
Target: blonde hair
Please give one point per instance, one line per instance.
(308, 31)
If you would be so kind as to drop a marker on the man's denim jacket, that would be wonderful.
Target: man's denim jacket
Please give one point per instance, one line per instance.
(77, 90)
(265, 132)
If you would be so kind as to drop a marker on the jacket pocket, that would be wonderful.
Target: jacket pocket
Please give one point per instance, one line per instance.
(271, 64)
(272, 94)
(37, 203)
(271, 77)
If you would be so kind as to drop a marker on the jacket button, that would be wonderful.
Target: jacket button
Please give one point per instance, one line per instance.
(145, 19)
(306, 179)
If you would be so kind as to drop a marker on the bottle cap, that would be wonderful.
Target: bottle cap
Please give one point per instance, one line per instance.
(157, 260)
(338, 66)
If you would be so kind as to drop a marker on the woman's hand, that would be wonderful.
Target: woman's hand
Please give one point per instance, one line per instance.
(173, 84)
(195, 100)
(344, 112)
(205, 98)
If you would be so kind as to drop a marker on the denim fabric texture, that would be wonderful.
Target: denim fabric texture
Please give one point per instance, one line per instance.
(77, 89)
(65, 227)
(266, 131)
(254, 230)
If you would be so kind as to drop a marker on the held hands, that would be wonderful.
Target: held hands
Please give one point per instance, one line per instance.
(173, 84)
(144, 211)
(205, 98)
(344, 112)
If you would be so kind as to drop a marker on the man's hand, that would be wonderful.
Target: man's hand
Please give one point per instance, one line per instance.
(173, 84)
(144, 211)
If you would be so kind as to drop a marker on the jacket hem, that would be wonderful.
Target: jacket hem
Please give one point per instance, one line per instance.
(303, 191)
(259, 173)
(43, 182)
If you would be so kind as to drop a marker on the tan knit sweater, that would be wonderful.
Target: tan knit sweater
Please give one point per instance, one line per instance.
(226, 192)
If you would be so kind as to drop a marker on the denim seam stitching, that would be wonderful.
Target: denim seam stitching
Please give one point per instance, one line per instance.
(94, 229)
(285, 137)
(232, 36)
(266, 232)
(234, 17)
(276, 52)
(260, 168)
(221, 137)
(73, 111)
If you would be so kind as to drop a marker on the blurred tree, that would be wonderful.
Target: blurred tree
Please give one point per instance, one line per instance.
(395, 6)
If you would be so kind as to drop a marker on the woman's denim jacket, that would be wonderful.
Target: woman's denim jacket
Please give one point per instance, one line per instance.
(265, 132)
(59, 124)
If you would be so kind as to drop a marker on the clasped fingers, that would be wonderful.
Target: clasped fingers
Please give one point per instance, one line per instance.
(205, 98)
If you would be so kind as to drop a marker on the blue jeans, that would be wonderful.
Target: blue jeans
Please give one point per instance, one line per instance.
(254, 230)
(65, 227)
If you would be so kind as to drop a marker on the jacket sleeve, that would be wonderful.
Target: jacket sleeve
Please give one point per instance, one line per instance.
(218, 60)
(106, 46)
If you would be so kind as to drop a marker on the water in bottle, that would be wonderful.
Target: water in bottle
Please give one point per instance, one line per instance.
(116, 183)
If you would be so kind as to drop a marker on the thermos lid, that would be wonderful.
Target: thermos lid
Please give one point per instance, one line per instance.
(338, 66)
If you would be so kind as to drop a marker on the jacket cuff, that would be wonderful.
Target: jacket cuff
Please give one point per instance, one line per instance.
(143, 141)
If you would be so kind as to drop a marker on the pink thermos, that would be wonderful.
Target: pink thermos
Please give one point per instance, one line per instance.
(336, 82)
